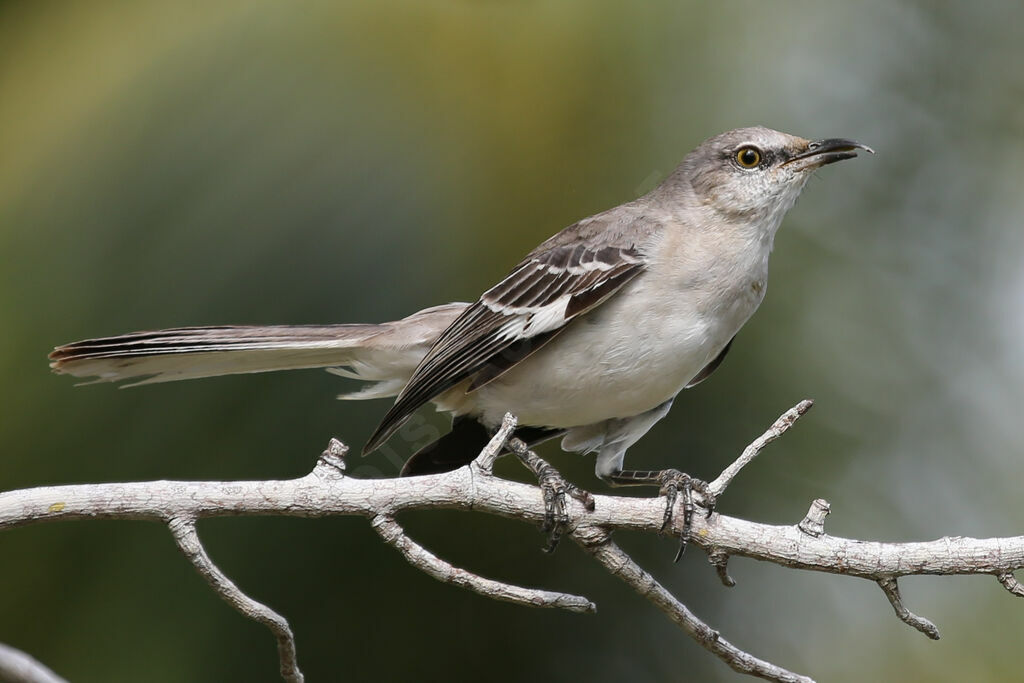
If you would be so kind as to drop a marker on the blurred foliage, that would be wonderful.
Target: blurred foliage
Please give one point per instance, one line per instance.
(187, 163)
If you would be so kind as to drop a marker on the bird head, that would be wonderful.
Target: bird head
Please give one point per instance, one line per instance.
(755, 174)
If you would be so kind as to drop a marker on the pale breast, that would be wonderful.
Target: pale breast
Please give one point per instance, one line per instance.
(642, 346)
(617, 361)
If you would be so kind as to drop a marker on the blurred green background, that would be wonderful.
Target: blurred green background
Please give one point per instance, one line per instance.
(168, 164)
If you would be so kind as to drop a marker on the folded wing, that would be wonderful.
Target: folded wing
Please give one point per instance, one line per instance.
(515, 318)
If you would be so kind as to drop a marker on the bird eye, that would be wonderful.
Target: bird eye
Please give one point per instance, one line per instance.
(748, 157)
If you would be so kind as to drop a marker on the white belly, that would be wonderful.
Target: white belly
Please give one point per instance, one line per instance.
(620, 360)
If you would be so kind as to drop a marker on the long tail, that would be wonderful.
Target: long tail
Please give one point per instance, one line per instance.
(384, 354)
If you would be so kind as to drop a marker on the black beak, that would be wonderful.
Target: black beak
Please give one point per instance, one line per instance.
(828, 151)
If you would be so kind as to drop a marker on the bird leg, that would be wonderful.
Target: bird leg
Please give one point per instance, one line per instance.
(555, 488)
(672, 483)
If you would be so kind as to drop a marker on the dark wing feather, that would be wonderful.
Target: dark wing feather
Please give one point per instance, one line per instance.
(710, 367)
(463, 443)
(527, 309)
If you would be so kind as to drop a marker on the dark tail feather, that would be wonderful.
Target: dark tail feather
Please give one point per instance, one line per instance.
(191, 352)
(385, 354)
(462, 444)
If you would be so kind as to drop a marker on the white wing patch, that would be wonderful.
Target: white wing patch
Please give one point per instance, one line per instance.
(529, 321)
(514, 319)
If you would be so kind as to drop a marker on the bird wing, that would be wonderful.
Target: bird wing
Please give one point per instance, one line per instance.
(566, 276)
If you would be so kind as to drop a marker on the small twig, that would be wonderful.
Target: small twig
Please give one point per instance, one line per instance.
(787, 420)
(1011, 583)
(621, 565)
(813, 523)
(331, 463)
(327, 491)
(185, 535)
(891, 589)
(424, 560)
(494, 447)
(720, 560)
(19, 667)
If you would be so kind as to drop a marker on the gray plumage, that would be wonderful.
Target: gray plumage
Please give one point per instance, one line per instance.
(591, 336)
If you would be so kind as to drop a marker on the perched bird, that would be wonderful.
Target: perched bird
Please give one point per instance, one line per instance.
(589, 338)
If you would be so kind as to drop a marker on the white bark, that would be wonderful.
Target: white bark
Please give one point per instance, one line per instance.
(19, 667)
(328, 491)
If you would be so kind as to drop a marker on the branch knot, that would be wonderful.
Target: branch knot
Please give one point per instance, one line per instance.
(331, 463)
(813, 523)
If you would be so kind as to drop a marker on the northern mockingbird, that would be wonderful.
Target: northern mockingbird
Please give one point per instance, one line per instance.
(589, 338)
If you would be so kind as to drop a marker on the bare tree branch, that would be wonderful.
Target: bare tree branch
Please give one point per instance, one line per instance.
(484, 462)
(892, 592)
(1011, 583)
(813, 523)
(780, 427)
(184, 532)
(600, 545)
(19, 667)
(423, 559)
(327, 490)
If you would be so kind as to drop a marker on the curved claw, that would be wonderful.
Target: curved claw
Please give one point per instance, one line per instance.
(674, 482)
(555, 488)
(671, 481)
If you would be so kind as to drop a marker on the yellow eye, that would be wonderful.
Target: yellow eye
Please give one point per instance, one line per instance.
(748, 157)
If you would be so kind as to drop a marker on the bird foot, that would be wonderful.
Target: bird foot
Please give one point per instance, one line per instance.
(674, 483)
(555, 489)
